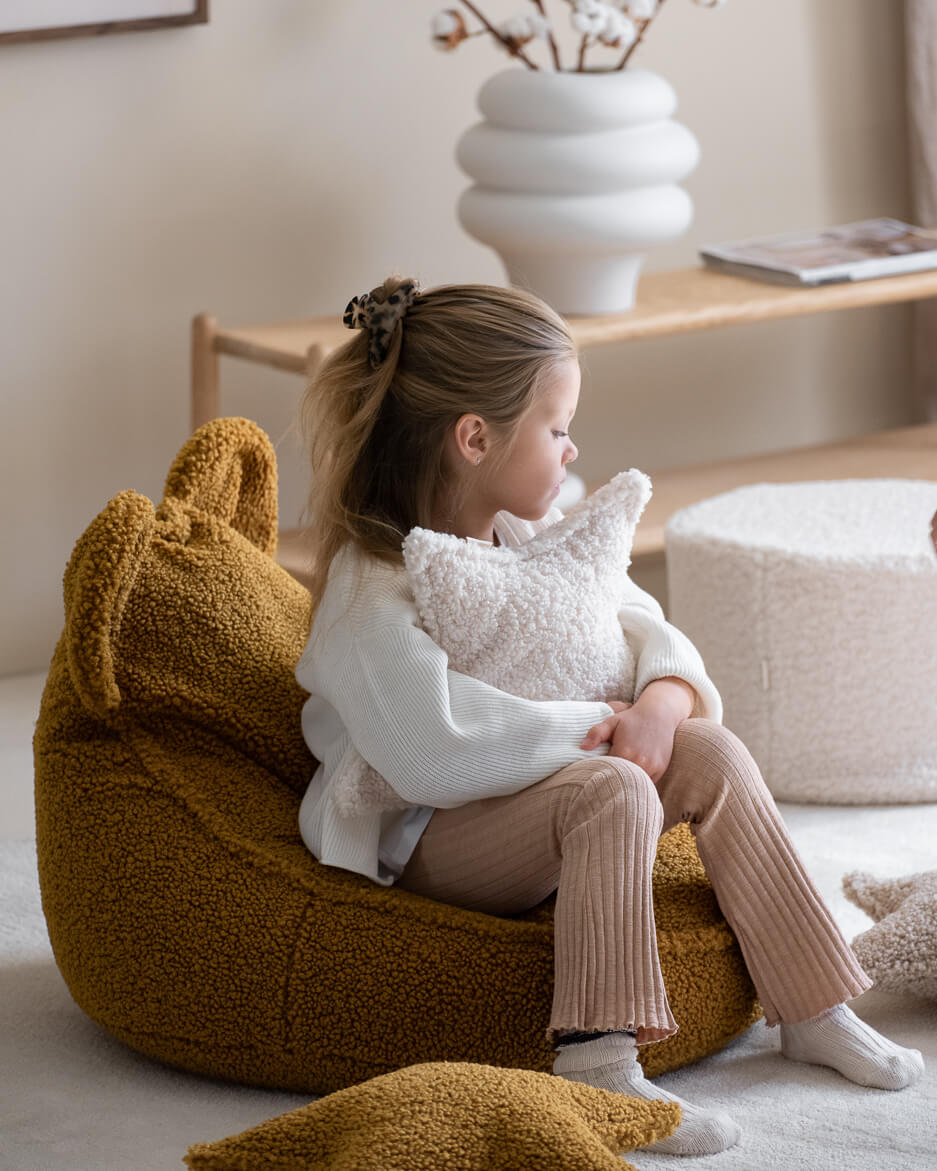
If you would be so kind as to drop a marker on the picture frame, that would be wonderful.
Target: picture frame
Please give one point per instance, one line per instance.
(42, 20)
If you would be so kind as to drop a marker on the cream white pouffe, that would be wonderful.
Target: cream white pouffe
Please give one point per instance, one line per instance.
(814, 606)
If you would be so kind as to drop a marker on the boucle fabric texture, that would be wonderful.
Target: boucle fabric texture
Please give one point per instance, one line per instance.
(459, 1116)
(815, 608)
(185, 913)
(900, 951)
(539, 620)
(543, 620)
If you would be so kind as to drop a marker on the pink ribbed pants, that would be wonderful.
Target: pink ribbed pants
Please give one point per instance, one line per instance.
(590, 833)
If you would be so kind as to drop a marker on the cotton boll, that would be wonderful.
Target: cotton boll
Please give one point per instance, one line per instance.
(522, 29)
(586, 24)
(444, 23)
(448, 29)
(640, 9)
(515, 28)
(619, 32)
(591, 17)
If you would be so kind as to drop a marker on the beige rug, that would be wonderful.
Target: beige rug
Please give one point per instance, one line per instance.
(72, 1099)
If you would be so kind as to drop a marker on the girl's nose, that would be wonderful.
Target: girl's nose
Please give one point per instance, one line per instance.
(571, 453)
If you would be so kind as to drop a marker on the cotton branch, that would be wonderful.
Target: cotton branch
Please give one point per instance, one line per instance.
(511, 48)
(583, 45)
(550, 37)
(644, 26)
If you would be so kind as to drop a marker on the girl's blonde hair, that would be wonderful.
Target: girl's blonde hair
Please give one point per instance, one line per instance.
(376, 436)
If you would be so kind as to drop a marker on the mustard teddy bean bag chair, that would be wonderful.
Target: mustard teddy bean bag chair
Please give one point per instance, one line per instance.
(186, 916)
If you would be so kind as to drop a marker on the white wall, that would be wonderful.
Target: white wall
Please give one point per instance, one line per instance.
(289, 154)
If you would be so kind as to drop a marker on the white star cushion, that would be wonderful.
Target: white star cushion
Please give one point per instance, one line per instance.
(538, 620)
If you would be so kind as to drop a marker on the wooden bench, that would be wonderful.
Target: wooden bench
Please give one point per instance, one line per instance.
(681, 301)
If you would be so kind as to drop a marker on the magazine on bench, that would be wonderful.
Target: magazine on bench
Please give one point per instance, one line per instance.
(850, 252)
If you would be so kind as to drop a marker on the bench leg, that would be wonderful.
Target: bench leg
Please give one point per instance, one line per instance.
(204, 370)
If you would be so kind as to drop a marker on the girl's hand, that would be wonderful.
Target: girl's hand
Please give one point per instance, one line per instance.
(643, 732)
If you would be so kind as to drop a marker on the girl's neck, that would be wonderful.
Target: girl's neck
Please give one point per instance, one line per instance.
(477, 524)
(484, 533)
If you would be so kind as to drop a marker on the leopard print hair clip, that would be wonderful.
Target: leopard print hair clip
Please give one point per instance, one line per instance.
(380, 318)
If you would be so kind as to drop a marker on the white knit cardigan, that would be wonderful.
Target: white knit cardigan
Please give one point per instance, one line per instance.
(381, 689)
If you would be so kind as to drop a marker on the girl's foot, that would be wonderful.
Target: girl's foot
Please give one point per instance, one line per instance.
(610, 1062)
(839, 1039)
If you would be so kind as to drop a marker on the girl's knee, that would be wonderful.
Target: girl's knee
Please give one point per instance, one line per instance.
(702, 735)
(716, 758)
(611, 780)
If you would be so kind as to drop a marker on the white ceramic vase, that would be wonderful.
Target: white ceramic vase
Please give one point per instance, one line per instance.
(575, 177)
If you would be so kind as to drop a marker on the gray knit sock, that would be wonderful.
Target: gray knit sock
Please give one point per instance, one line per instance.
(839, 1039)
(610, 1062)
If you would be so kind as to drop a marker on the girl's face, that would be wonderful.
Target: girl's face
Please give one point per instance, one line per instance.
(530, 480)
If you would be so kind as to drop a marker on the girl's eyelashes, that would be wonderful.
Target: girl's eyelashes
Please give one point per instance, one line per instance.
(560, 434)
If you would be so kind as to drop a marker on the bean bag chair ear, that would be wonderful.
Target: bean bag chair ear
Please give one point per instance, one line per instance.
(229, 474)
(185, 913)
(461, 1117)
(96, 590)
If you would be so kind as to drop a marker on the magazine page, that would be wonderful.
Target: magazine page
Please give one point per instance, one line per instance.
(849, 251)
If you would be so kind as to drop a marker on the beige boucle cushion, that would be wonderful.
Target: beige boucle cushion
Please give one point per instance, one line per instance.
(808, 601)
(539, 620)
(900, 951)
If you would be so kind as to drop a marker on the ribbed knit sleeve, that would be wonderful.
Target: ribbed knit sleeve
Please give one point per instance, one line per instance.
(661, 650)
(441, 738)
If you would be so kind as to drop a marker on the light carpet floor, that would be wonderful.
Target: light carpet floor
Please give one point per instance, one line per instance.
(73, 1098)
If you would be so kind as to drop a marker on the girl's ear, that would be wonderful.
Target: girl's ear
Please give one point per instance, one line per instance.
(471, 438)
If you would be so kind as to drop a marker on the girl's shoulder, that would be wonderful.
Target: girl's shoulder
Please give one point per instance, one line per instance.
(363, 591)
(364, 597)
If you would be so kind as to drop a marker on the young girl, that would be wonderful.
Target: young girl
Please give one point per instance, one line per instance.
(450, 410)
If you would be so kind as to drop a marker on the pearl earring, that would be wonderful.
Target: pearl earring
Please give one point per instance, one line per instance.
(478, 459)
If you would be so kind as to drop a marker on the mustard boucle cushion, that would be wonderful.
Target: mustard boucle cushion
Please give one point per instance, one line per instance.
(900, 951)
(184, 911)
(450, 1115)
